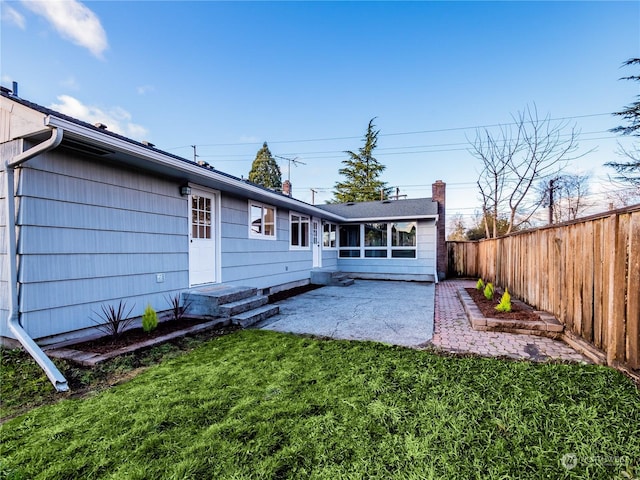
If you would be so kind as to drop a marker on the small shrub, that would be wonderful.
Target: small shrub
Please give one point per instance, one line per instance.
(149, 319)
(480, 285)
(113, 321)
(505, 302)
(177, 310)
(488, 291)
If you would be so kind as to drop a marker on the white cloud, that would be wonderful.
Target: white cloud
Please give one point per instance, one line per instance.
(74, 21)
(144, 89)
(117, 119)
(11, 15)
(70, 83)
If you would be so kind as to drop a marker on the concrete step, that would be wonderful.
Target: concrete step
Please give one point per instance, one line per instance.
(330, 277)
(207, 300)
(241, 306)
(256, 315)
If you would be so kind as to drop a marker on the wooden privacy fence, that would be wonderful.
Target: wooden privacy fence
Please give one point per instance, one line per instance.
(585, 272)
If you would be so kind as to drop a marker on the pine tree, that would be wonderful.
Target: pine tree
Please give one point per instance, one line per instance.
(265, 170)
(361, 172)
(629, 171)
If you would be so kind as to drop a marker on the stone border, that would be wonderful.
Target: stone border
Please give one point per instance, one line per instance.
(91, 359)
(547, 326)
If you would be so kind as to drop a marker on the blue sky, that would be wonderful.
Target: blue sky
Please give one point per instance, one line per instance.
(306, 77)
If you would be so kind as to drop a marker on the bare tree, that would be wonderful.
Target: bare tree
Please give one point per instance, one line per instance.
(566, 196)
(514, 159)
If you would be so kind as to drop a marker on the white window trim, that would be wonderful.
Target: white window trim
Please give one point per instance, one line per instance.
(389, 247)
(298, 247)
(262, 236)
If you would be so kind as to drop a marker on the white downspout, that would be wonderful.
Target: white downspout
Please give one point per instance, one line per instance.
(54, 375)
(435, 266)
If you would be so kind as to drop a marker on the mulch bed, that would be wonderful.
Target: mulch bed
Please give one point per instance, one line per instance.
(519, 310)
(291, 292)
(136, 335)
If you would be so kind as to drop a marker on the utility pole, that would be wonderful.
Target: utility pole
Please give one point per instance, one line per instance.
(551, 200)
(313, 196)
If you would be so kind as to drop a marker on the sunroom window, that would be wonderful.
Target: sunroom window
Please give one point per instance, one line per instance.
(349, 241)
(371, 240)
(403, 239)
(375, 240)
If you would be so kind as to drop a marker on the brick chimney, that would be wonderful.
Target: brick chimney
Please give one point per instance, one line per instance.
(438, 194)
(286, 188)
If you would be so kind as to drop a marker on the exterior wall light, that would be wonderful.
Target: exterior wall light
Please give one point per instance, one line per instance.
(185, 190)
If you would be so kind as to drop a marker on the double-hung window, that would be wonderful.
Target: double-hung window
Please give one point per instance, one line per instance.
(262, 221)
(299, 228)
(329, 235)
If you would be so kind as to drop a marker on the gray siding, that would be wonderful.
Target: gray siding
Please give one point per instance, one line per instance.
(90, 234)
(259, 263)
(330, 258)
(4, 281)
(422, 265)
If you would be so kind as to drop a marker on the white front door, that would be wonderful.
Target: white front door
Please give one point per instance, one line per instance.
(202, 238)
(316, 242)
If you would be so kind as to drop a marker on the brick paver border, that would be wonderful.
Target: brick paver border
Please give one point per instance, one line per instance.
(453, 333)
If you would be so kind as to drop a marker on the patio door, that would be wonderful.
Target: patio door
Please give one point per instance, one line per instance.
(316, 242)
(202, 237)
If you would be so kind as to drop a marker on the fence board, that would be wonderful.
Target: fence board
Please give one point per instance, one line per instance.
(597, 284)
(633, 294)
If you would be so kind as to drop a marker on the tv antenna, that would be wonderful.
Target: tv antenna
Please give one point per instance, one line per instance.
(295, 162)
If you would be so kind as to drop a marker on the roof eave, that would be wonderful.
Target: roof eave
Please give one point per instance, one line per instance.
(184, 166)
(403, 217)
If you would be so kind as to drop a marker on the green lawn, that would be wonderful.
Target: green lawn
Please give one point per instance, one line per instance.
(257, 404)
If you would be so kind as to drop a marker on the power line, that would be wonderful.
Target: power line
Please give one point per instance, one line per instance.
(394, 134)
(225, 158)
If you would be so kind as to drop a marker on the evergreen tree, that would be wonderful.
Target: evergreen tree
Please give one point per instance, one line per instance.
(361, 171)
(265, 170)
(629, 171)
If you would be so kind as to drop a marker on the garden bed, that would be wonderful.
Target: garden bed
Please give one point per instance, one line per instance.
(96, 351)
(519, 310)
(522, 319)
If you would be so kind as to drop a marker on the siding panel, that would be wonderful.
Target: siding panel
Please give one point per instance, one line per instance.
(92, 233)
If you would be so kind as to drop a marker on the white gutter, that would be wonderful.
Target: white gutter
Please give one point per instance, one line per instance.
(54, 375)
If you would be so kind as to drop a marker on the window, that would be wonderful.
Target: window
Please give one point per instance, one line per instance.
(329, 235)
(349, 241)
(403, 239)
(299, 231)
(375, 235)
(371, 240)
(262, 220)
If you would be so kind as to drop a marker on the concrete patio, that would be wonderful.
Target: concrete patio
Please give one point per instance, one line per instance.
(408, 314)
(399, 313)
